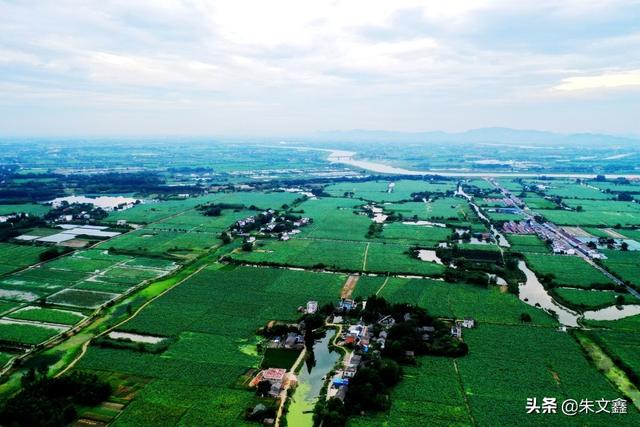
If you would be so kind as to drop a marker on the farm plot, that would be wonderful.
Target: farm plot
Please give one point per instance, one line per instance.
(307, 253)
(415, 234)
(389, 258)
(532, 362)
(7, 305)
(624, 264)
(604, 206)
(604, 218)
(429, 394)
(29, 333)
(570, 190)
(584, 299)
(534, 201)
(503, 217)
(157, 242)
(167, 403)
(335, 218)
(30, 208)
(446, 208)
(622, 346)
(459, 300)
(47, 315)
(570, 271)
(390, 191)
(81, 298)
(250, 295)
(79, 269)
(152, 211)
(13, 257)
(195, 221)
(527, 243)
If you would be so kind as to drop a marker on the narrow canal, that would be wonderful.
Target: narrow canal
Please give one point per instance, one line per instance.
(311, 380)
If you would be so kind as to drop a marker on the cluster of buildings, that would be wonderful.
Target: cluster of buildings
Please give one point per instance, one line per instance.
(277, 377)
(520, 227)
(274, 226)
(456, 328)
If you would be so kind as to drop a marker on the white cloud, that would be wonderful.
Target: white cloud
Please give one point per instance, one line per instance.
(610, 80)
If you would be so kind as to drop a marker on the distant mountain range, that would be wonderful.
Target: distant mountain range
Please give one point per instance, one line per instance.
(495, 135)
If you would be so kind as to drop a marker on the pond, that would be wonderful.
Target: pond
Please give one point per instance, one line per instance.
(429, 255)
(311, 380)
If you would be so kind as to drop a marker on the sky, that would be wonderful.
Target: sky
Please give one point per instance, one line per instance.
(282, 68)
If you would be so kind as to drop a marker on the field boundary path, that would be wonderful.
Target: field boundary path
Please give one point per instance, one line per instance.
(464, 394)
(349, 286)
(383, 285)
(364, 258)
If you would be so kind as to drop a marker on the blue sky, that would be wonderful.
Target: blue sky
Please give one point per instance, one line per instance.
(272, 68)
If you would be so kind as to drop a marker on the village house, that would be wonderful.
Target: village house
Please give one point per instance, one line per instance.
(275, 376)
(312, 307)
(456, 331)
(468, 322)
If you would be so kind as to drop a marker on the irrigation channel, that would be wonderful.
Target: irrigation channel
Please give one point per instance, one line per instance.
(533, 293)
(311, 380)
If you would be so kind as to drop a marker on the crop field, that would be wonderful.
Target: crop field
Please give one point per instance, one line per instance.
(624, 264)
(80, 298)
(534, 201)
(30, 208)
(195, 221)
(254, 295)
(503, 217)
(26, 333)
(458, 300)
(568, 271)
(378, 191)
(7, 305)
(336, 255)
(155, 211)
(156, 242)
(527, 243)
(84, 268)
(335, 219)
(440, 209)
(415, 234)
(617, 187)
(47, 315)
(212, 317)
(589, 299)
(367, 286)
(389, 258)
(5, 358)
(604, 218)
(623, 346)
(571, 190)
(532, 362)
(604, 205)
(429, 394)
(308, 253)
(172, 402)
(13, 257)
